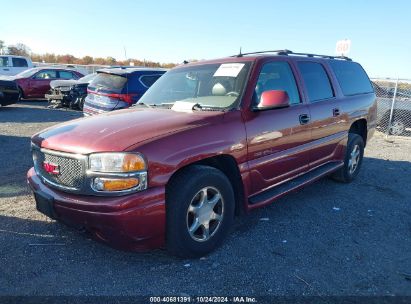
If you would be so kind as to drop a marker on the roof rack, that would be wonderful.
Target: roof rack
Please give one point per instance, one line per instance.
(288, 52)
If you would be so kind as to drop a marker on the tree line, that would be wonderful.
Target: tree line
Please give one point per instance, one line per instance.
(21, 49)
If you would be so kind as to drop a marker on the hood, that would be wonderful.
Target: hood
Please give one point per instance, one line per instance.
(8, 78)
(8, 83)
(118, 130)
(63, 83)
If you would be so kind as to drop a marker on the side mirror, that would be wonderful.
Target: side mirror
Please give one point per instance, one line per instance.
(273, 99)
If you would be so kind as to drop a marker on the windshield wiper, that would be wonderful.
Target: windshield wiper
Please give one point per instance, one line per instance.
(199, 107)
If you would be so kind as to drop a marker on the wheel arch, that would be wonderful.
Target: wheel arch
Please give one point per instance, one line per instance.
(226, 164)
(23, 95)
(360, 127)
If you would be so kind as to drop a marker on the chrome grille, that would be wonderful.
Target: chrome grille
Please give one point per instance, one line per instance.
(71, 169)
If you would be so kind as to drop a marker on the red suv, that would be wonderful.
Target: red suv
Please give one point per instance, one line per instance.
(207, 141)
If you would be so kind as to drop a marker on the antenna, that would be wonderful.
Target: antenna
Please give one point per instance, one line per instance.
(240, 54)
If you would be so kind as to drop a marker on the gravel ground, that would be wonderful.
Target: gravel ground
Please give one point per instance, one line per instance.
(327, 239)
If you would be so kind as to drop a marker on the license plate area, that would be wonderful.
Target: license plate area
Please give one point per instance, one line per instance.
(45, 204)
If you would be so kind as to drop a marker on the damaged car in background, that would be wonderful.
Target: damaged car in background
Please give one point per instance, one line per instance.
(69, 93)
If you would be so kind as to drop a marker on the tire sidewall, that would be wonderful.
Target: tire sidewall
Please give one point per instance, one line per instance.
(353, 140)
(181, 202)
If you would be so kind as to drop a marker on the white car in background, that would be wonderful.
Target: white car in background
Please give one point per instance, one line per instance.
(13, 65)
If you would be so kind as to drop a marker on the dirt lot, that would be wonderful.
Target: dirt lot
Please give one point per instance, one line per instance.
(327, 239)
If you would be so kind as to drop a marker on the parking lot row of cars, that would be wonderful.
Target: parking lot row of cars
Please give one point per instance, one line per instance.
(108, 89)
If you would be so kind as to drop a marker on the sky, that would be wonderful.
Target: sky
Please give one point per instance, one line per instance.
(174, 31)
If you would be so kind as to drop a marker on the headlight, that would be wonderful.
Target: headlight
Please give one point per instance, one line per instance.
(117, 162)
(118, 172)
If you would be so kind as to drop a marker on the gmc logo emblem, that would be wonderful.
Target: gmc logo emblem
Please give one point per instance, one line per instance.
(51, 168)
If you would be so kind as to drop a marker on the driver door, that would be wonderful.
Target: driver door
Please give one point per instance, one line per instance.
(40, 82)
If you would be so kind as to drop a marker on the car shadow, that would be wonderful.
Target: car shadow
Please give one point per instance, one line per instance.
(16, 150)
(384, 188)
(35, 111)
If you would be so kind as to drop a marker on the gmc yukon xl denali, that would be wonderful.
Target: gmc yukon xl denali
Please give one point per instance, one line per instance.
(208, 141)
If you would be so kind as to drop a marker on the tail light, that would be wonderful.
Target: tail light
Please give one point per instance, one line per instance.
(123, 97)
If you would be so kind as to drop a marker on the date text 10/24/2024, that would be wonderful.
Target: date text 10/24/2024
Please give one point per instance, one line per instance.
(202, 299)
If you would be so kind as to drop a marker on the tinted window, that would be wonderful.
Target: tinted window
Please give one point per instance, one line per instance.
(316, 81)
(67, 75)
(277, 76)
(46, 74)
(148, 80)
(110, 82)
(4, 61)
(19, 62)
(351, 77)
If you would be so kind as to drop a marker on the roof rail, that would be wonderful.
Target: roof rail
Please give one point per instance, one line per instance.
(288, 52)
(278, 52)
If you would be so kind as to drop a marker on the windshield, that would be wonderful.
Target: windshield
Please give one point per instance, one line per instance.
(27, 73)
(209, 85)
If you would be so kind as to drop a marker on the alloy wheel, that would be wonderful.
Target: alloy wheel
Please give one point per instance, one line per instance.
(205, 214)
(354, 159)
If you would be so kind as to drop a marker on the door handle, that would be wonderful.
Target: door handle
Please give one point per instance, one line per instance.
(304, 119)
(6, 69)
(336, 112)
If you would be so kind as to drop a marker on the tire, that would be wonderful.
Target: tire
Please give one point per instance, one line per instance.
(21, 95)
(80, 103)
(397, 127)
(352, 163)
(186, 208)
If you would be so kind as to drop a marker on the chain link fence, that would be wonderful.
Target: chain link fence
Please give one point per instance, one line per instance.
(394, 106)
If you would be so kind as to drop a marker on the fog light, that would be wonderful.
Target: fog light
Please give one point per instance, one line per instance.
(115, 184)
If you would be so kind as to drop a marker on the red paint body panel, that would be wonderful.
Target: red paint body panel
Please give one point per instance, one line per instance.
(269, 148)
(133, 222)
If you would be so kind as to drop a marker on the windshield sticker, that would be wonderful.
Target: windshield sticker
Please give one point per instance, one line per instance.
(229, 69)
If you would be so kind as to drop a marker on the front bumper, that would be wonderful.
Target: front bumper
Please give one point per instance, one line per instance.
(133, 222)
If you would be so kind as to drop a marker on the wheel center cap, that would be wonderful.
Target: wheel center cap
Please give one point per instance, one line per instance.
(205, 213)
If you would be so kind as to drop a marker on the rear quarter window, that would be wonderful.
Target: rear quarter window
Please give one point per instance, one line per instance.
(352, 78)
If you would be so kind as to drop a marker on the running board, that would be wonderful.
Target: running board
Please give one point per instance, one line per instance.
(291, 185)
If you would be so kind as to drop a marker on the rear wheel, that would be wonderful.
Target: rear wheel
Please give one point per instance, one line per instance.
(353, 159)
(397, 127)
(200, 211)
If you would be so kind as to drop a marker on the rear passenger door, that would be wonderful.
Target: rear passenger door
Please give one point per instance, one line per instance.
(325, 109)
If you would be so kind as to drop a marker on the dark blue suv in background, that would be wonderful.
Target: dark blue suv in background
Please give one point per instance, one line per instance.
(118, 88)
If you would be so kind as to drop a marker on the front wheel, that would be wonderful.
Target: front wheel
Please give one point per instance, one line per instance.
(200, 211)
(353, 159)
(21, 94)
